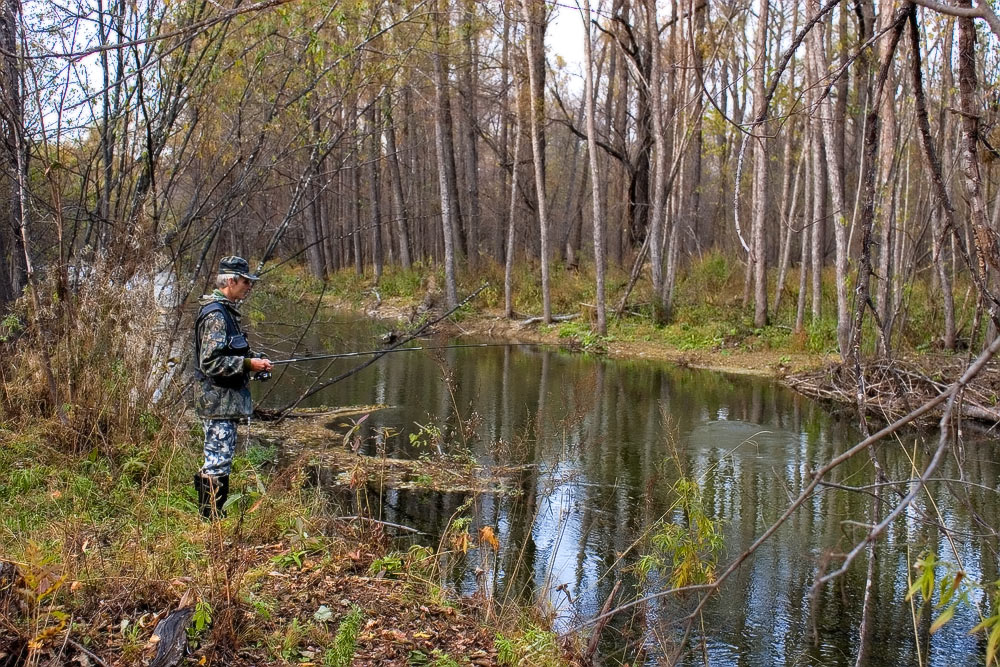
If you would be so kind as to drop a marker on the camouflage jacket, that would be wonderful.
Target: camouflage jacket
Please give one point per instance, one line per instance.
(224, 377)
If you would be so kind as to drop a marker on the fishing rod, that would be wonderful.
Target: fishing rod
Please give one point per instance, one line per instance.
(346, 355)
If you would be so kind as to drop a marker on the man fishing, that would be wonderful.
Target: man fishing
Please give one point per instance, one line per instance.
(224, 366)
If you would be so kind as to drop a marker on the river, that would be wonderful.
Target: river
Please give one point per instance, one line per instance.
(607, 441)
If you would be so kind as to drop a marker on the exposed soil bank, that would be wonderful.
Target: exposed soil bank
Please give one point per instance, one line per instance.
(493, 325)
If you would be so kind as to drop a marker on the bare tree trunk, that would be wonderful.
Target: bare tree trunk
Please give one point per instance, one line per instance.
(985, 238)
(571, 217)
(641, 56)
(697, 13)
(470, 157)
(885, 210)
(354, 207)
(789, 190)
(312, 222)
(943, 216)
(443, 116)
(107, 135)
(833, 141)
(616, 105)
(761, 172)
(376, 191)
(684, 200)
(499, 245)
(535, 22)
(325, 226)
(13, 272)
(445, 159)
(862, 297)
(657, 221)
(338, 221)
(508, 275)
(818, 232)
(614, 129)
(789, 206)
(399, 211)
(595, 176)
(810, 186)
(819, 171)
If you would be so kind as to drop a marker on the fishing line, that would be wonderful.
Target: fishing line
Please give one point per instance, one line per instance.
(347, 355)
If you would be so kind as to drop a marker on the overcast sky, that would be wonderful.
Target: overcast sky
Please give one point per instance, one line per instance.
(564, 38)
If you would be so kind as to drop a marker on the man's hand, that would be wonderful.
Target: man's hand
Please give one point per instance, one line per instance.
(260, 365)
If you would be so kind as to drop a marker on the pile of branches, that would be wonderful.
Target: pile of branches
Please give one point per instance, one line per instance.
(892, 388)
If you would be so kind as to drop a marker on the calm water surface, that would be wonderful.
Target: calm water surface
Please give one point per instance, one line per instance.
(608, 440)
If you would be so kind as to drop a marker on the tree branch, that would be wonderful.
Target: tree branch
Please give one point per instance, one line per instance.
(983, 11)
(610, 150)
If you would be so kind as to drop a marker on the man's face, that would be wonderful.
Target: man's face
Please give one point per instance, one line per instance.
(238, 288)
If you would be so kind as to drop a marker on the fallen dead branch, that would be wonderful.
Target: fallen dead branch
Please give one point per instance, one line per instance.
(387, 524)
(555, 318)
(893, 388)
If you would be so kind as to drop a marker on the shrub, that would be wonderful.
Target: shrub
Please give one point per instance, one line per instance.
(109, 347)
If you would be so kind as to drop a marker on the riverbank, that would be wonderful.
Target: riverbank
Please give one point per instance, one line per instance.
(738, 357)
(710, 330)
(105, 561)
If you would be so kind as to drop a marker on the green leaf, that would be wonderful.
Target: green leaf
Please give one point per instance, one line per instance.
(991, 645)
(987, 623)
(943, 618)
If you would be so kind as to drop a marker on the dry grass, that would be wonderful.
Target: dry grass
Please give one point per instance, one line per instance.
(109, 348)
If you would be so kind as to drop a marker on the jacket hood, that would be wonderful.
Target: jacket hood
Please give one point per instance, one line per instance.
(217, 296)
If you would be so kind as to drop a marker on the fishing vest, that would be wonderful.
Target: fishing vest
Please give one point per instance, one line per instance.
(236, 345)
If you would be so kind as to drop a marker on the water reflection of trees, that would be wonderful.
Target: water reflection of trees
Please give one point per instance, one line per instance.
(597, 434)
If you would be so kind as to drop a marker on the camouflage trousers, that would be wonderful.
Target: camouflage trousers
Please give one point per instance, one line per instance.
(220, 444)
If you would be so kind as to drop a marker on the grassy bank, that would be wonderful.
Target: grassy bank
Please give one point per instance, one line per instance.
(105, 547)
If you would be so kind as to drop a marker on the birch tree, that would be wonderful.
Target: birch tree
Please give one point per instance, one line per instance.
(596, 190)
(758, 252)
(533, 15)
(445, 156)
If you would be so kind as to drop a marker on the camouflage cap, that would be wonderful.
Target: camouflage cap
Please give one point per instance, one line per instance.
(236, 266)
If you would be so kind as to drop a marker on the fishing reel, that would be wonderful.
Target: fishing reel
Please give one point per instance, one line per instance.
(262, 376)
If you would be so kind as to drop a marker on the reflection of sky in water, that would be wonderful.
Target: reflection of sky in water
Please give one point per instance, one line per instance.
(606, 462)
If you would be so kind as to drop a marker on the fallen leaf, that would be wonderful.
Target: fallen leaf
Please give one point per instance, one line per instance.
(487, 535)
(187, 599)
